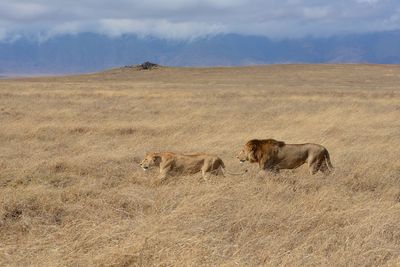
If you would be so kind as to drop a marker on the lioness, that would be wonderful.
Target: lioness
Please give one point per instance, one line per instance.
(275, 155)
(190, 164)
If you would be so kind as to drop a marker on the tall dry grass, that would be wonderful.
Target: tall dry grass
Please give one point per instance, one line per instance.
(70, 193)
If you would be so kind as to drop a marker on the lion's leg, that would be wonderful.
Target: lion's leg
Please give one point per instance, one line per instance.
(262, 165)
(211, 167)
(204, 174)
(275, 170)
(324, 167)
(221, 171)
(207, 167)
(313, 169)
(312, 165)
(268, 171)
(261, 173)
(217, 168)
(163, 174)
(315, 166)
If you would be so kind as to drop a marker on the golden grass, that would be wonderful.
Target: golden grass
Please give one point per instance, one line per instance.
(70, 193)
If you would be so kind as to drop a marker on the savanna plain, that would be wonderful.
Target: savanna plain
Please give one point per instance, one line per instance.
(72, 193)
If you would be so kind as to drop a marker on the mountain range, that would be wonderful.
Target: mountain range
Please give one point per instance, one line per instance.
(90, 52)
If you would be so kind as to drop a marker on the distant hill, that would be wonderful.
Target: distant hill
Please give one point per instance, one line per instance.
(89, 52)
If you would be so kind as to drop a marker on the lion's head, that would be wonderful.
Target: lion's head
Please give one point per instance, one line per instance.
(242, 156)
(255, 149)
(247, 154)
(151, 159)
(250, 152)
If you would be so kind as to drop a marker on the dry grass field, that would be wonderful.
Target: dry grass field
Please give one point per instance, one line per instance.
(71, 193)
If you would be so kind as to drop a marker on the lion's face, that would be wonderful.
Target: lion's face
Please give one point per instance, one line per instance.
(247, 154)
(242, 156)
(149, 161)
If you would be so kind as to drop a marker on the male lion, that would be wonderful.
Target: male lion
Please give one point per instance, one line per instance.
(188, 164)
(274, 155)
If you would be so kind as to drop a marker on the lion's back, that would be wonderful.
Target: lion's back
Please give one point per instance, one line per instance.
(315, 148)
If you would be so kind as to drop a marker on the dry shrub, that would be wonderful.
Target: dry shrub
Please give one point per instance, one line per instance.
(79, 130)
(22, 211)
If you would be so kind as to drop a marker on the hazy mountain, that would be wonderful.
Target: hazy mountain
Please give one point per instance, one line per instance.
(88, 52)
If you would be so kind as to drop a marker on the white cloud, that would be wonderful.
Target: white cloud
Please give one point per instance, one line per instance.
(316, 12)
(367, 1)
(3, 34)
(160, 28)
(188, 19)
(23, 11)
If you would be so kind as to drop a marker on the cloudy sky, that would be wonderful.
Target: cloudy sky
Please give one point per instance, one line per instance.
(187, 19)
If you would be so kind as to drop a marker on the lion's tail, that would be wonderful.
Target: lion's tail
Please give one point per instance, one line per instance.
(222, 163)
(233, 173)
(328, 160)
(224, 170)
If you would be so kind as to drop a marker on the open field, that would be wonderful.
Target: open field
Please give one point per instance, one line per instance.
(71, 194)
